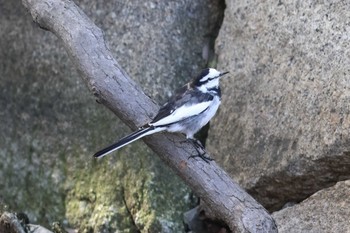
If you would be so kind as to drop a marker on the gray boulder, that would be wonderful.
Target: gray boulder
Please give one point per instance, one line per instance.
(325, 211)
(283, 127)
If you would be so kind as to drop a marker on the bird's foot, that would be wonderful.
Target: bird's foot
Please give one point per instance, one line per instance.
(202, 156)
(199, 149)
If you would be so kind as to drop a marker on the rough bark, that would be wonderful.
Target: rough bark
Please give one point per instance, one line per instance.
(112, 87)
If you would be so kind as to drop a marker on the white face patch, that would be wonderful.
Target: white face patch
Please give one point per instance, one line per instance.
(208, 85)
(213, 73)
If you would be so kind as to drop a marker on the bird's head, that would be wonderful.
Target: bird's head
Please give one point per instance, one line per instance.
(207, 79)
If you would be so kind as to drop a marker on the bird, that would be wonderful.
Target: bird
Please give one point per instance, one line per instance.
(189, 109)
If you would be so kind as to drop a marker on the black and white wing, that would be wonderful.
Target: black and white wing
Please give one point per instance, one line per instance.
(184, 104)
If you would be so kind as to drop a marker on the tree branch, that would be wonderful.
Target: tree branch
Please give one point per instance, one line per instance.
(85, 44)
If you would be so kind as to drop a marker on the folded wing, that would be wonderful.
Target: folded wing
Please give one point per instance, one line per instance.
(189, 104)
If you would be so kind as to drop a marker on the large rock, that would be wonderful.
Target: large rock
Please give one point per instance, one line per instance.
(325, 211)
(283, 127)
(50, 124)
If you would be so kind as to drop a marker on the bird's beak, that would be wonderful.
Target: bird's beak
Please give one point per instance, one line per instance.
(223, 73)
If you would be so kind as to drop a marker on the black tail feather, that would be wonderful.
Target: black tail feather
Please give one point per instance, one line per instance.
(125, 141)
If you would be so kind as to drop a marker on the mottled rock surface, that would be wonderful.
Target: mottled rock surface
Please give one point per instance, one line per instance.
(50, 124)
(325, 211)
(283, 127)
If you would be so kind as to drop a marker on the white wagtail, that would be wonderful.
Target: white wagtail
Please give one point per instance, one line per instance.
(187, 111)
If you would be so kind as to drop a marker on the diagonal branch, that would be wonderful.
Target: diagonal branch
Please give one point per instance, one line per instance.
(112, 87)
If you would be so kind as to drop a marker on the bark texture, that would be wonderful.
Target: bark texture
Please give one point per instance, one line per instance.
(112, 87)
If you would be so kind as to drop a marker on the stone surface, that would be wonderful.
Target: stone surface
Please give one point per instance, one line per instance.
(283, 127)
(50, 124)
(325, 211)
(160, 43)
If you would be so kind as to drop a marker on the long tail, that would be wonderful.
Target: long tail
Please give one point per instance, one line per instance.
(128, 139)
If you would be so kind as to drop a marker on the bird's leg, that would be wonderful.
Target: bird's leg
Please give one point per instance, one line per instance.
(198, 146)
(198, 143)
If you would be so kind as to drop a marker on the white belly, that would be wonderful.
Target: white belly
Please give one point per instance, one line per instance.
(210, 112)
